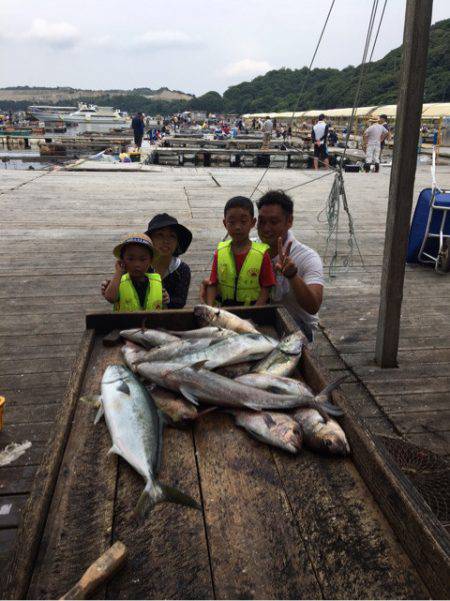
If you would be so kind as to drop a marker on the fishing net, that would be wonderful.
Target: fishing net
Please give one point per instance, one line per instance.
(428, 472)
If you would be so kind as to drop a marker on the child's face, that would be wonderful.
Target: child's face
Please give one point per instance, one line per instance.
(238, 222)
(136, 260)
(165, 241)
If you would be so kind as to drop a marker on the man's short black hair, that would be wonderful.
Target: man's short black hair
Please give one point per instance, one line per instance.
(241, 202)
(321, 117)
(383, 117)
(277, 197)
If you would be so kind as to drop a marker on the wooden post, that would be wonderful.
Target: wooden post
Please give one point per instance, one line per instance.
(409, 111)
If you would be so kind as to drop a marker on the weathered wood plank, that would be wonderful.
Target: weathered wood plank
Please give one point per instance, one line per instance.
(172, 540)
(255, 547)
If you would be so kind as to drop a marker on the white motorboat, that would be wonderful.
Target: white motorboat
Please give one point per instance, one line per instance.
(50, 113)
(90, 113)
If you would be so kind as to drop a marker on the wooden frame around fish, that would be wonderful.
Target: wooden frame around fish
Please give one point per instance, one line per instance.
(314, 516)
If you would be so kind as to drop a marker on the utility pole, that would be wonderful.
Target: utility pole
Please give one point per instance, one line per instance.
(407, 124)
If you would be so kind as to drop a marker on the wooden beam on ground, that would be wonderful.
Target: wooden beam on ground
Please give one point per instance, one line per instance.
(409, 110)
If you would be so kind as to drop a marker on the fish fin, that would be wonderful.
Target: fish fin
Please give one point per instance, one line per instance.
(331, 409)
(100, 414)
(123, 387)
(205, 412)
(95, 400)
(268, 419)
(325, 393)
(144, 324)
(155, 492)
(189, 395)
(114, 450)
(199, 364)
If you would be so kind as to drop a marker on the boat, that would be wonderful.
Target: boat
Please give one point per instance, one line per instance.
(90, 113)
(50, 113)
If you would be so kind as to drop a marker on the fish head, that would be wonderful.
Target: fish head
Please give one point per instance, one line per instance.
(206, 314)
(332, 439)
(115, 373)
(293, 344)
(287, 430)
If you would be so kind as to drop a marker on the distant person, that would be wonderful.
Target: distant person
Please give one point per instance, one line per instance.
(374, 135)
(267, 128)
(241, 272)
(319, 136)
(332, 137)
(137, 125)
(383, 120)
(254, 123)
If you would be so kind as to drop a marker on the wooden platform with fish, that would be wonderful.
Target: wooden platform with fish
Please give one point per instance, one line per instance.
(271, 525)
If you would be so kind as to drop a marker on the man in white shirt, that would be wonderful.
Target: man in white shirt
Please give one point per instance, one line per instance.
(372, 139)
(298, 268)
(319, 135)
(267, 128)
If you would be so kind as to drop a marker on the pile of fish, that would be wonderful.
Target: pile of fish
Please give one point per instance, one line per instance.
(251, 381)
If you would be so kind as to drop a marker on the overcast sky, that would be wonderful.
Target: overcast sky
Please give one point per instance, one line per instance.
(193, 46)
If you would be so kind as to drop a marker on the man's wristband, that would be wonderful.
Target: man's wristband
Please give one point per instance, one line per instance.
(289, 277)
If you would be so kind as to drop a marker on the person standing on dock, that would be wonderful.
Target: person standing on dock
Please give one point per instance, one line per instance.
(319, 135)
(137, 125)
(374, 135)
(267, 128)
(384, 122)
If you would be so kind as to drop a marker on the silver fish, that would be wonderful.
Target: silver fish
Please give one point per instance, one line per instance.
(235, 370)
(276, 429)
(235, 349)
(291, 386)
(135, 354)
(213, 316)
(205, 332)
(136, 432)
(283, 360)
(211, 388)
(148, 338)
(173, 405)
(320, 435)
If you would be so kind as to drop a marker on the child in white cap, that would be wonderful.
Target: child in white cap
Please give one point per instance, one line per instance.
(133, 288)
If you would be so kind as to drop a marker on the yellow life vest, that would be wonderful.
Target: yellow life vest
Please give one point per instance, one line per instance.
(129, 299)
(244, 287)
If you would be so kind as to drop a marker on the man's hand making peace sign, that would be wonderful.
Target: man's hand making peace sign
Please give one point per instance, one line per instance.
(285, 265)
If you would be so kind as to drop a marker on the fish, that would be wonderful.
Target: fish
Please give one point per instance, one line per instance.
(173, 405)
(283, 360)
(205, 332)
(135, 354)
(135, 426)
(277, 429)
(235, 370)
(148, 338)
(199, 384)
(291, 386)
(235, 349)
(325, 436)
(213, 316)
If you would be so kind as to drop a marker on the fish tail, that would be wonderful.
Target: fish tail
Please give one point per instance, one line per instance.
(156, 492)
(324, 394)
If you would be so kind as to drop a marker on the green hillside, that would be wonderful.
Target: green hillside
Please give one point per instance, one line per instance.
(331, 88)
(278, 90)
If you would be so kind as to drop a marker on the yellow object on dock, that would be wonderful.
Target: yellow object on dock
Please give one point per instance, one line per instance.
(2, 403)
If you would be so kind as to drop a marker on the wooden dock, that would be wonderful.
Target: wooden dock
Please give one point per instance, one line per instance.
(58, 229)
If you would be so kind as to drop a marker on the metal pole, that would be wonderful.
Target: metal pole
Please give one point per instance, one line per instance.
(409, 112)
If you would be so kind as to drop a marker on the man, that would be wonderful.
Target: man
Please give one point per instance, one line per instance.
(319, 135)
(298, 268)
(383, 120)
(374, 135)
(267, 128)
(137, 125)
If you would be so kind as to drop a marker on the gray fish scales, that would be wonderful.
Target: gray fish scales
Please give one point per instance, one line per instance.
(148, 338)
(213, 316)
(135, 354)
(283, 360)
(276, 429)
(136, 432)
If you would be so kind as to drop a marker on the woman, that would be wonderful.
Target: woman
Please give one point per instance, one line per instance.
(170, 239)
